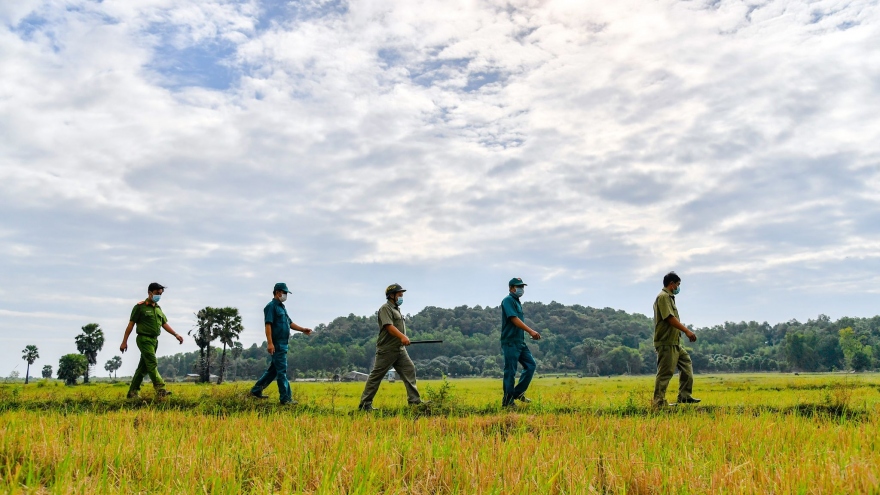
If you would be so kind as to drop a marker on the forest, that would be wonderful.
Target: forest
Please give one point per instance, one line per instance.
(576, 339)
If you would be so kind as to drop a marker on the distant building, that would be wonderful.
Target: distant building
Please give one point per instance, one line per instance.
(355, 376)
(391, 375)
(194, 377)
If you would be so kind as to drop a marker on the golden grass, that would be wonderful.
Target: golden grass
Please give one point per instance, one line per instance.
(755, 434)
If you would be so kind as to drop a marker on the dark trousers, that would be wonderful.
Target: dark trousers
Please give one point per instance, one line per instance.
(514, 354)
(277, 372)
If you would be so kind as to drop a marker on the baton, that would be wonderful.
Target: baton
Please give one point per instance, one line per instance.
(425, 341)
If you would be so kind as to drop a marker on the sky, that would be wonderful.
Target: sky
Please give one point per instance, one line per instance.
(589, 147)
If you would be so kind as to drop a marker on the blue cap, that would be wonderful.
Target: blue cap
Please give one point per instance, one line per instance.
(280, 286)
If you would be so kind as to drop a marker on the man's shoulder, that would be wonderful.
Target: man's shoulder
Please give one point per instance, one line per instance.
(387, 307)
(663, 295)
(271, 304)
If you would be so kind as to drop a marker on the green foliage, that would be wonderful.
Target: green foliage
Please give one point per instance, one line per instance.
(29, 354)
(47, 371)
(577, 339)
(113, 364)
(71, 367)
(89, 344)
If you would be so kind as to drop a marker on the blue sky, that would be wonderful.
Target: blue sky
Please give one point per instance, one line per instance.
(589, 147)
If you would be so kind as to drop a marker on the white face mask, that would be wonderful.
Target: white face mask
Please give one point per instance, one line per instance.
(284, 297)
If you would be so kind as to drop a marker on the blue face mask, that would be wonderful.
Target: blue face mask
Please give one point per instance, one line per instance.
(156, 297)
(677, 290)
(519, 292)
(399, 301)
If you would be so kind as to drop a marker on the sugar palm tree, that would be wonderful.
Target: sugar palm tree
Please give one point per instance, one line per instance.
(89, 343)
(29, 354)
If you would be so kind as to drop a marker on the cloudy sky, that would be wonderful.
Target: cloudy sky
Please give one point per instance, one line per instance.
(589, 147)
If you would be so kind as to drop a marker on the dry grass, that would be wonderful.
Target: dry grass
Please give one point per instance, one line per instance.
(757, 434)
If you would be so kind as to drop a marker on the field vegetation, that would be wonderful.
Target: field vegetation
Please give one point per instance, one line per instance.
(758, 433)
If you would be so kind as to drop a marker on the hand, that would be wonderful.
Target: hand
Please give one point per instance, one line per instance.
(691, 336)
(404, 340)
(179, 338)
(271, 349)
(535, 335)
(123, 347)
(307, 331)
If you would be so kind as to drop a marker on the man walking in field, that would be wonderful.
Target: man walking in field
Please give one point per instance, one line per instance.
(670, 353)
(150, 321)
(391, 351)
(513, 345)
(278, 327)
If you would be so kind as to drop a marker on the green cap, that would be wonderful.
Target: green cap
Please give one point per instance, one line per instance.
(391, 289)
(280, 286)
(516, 282)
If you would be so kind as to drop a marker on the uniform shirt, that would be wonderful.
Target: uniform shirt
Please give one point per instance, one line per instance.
(149, 319)
(664, 307)
(389, 314)
(275, 314)
(510, 333)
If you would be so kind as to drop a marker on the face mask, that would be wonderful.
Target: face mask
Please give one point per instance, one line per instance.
(156, 297)
(284, 297)
(399, 301)
(519, 292)
(677, 290)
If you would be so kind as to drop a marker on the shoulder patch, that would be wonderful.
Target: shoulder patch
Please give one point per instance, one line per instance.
(142, 302)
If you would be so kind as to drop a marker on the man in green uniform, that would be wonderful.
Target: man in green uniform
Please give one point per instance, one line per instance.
(670, 354)
(150, 321)
(391, 351)
(278, 327)
(513, 345)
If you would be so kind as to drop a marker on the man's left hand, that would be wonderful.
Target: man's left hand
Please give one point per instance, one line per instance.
(179, 338)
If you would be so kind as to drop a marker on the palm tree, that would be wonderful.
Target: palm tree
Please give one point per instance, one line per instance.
(89, 343)
(204, 333)
(228, 328)
(29, 354)
(112, 365)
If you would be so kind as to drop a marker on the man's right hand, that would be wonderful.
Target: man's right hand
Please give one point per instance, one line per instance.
(535, 335)
(404, 340)
(691, 336)
(271, 348)
(123, 347)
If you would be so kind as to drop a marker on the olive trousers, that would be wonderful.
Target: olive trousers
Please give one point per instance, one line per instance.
(670, 357)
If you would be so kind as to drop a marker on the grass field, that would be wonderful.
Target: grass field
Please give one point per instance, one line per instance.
(751, 434)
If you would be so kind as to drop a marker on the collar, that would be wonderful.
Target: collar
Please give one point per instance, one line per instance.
(511, 294)
(669, 292)
(393, 304)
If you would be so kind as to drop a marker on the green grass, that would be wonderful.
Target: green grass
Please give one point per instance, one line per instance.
(752, 434)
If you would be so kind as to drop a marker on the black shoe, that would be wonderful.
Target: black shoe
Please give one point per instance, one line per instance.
(420, 403)
(689, 400)
(290, 403)
(258, 395)
(369, 408)
(523, 398)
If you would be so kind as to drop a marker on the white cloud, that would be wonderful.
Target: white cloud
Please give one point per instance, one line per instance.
(567, 140)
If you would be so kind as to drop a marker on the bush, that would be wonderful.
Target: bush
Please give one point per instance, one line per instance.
(71, 367)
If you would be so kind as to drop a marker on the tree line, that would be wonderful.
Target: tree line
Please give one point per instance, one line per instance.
(576, 339)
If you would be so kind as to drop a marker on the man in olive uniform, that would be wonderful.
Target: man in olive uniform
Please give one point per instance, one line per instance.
(391, 351)
(513, 345)
(150, 321)
(670, 353)
(278, 327)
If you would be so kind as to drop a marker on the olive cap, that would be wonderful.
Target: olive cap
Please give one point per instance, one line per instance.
(391, 289)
